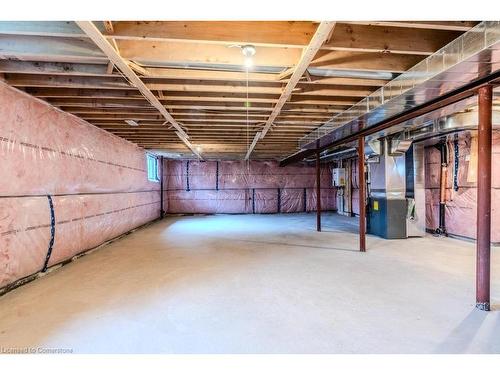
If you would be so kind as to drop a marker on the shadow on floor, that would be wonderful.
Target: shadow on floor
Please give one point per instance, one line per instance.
(459, 340)
(286, 244)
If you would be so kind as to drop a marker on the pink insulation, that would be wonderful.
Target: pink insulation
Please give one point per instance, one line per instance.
(97, 182)
(355, 185)
(244, 187)
(461, 204)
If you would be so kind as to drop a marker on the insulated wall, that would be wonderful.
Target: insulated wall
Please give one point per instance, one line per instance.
(461, 193)
(66, 186)
(244, 187)
(354, 184)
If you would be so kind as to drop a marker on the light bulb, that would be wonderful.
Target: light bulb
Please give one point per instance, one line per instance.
(248, 62)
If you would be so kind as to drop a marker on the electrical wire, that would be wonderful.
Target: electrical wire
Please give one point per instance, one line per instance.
(248, 130)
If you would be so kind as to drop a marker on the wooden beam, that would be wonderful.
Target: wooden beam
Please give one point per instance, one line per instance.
(108, 25)
(308, 54)
(435, 25)
(276, 34)
(220, 89)
(99, 39)
(149, 52)
(252, 146)
(61, 58)
(182, 136)
(37, 80)
(52, 68)
(220, 110)
(138, 68)
(94, 108)
(286, 73)
(259, 33)
(365, 61)
(109, 68)
(346, 97)
(187, 117)
(323, 31)
(42, 28)
(168, 75)
(61, 50)
(388, 39)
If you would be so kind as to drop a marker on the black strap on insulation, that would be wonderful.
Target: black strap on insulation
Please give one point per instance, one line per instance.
(187, 176)
(305, 200)
(253, 201)
(52, 234)
(217, 175)
(455, 175)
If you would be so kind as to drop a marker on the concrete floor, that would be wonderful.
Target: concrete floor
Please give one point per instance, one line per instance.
(258, 284)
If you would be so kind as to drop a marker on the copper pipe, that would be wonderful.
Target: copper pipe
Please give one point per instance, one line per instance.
(318, 193)
(443, 150)
(483, 243)
(362, 194)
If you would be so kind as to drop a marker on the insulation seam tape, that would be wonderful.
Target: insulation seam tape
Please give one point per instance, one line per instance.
(48, 149)
(13, 231)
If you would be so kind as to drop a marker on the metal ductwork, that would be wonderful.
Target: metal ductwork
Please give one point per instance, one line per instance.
(339, 153)
(374, 147)
(343, 73)
(435, 124)
(396, 169)
(398, 147)
(319, 72)
(388, 176)
(472, 56)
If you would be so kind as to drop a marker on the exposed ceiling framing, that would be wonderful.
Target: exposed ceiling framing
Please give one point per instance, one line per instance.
(115, 58)
(297, 72)
(190, 73)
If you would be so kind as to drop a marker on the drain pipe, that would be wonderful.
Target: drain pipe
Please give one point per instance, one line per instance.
(443, 149)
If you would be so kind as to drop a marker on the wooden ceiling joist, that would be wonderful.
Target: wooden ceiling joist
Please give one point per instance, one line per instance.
(179, 76)
(319, 37)
(275, 34)
(432, 25)
(189, 72)
(96, 36)
(146, 53)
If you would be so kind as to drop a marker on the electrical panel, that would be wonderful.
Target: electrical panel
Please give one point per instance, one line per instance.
(338, 176)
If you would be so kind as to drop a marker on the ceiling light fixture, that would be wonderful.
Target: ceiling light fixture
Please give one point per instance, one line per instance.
(248, 51)
(248, 62)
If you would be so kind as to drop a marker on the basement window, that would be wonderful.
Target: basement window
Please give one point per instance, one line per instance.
(153, 174)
